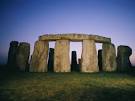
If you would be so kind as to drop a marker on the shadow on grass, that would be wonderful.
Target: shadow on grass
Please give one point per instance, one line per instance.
(95, 94)
(108, 94)
(90, 94)
(84, 91)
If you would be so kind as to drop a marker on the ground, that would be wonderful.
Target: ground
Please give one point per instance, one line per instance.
(75, 86)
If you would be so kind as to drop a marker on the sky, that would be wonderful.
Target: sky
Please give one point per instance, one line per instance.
(25, 20)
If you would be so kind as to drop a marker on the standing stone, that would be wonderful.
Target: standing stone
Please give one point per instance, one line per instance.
(22, 57)
(61, 56)
(39, 58)
(12, 55)
(109, 57)
(79, 61)
(51, 59)
(100, 59)
(74, 61)
(89, 57)
(123, 54)
(79, 64)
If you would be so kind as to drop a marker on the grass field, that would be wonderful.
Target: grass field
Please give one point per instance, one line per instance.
(18, 86)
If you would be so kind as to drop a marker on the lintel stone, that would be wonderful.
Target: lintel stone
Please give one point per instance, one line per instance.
(75, 37)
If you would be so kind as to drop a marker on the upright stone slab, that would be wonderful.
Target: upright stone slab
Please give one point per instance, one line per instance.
(109, 57)
(79, 61)
(39, 58)
(74, 61)
(22, 57)
(12, 55)
(61, 56)
(51, 60)
(123, 54)
(89, 57)
(100, 59)
(79, 64)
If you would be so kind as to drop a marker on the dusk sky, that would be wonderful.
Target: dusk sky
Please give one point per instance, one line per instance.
(25, 20)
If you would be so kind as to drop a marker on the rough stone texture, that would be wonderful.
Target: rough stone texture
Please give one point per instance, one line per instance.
(75, 37)
(22, 57)
(79, 64)
(61, 56)
(79, 61)
(109, 57)
(12, 55)
(123, 54)
(89, 57)
(39, 58)
(74, 66)
(51, 60)
(100, 59)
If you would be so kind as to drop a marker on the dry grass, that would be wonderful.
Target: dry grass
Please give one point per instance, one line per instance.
(66, 87)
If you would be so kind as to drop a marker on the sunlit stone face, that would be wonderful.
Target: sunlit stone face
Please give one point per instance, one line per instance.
(89, 57)
(38, 61)
(61, 56)
(89, 61)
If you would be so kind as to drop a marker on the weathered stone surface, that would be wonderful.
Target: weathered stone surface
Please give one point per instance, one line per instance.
(100, 59)
(61, 56)
(51, 60)
(79, 64)
(89, 57)
(79, 61)
(22, 57)
(12, 55)
(39, 58)
(74, 37)
(123, 54)
(109, 57)
(74, 66)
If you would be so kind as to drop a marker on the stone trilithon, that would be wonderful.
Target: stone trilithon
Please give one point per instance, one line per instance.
(58, 59)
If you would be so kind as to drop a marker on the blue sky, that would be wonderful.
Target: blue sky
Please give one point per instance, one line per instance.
(25, 20)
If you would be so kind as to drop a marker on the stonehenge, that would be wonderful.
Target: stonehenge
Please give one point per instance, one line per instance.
(44, 59)
(123, 54)
(89, 61)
